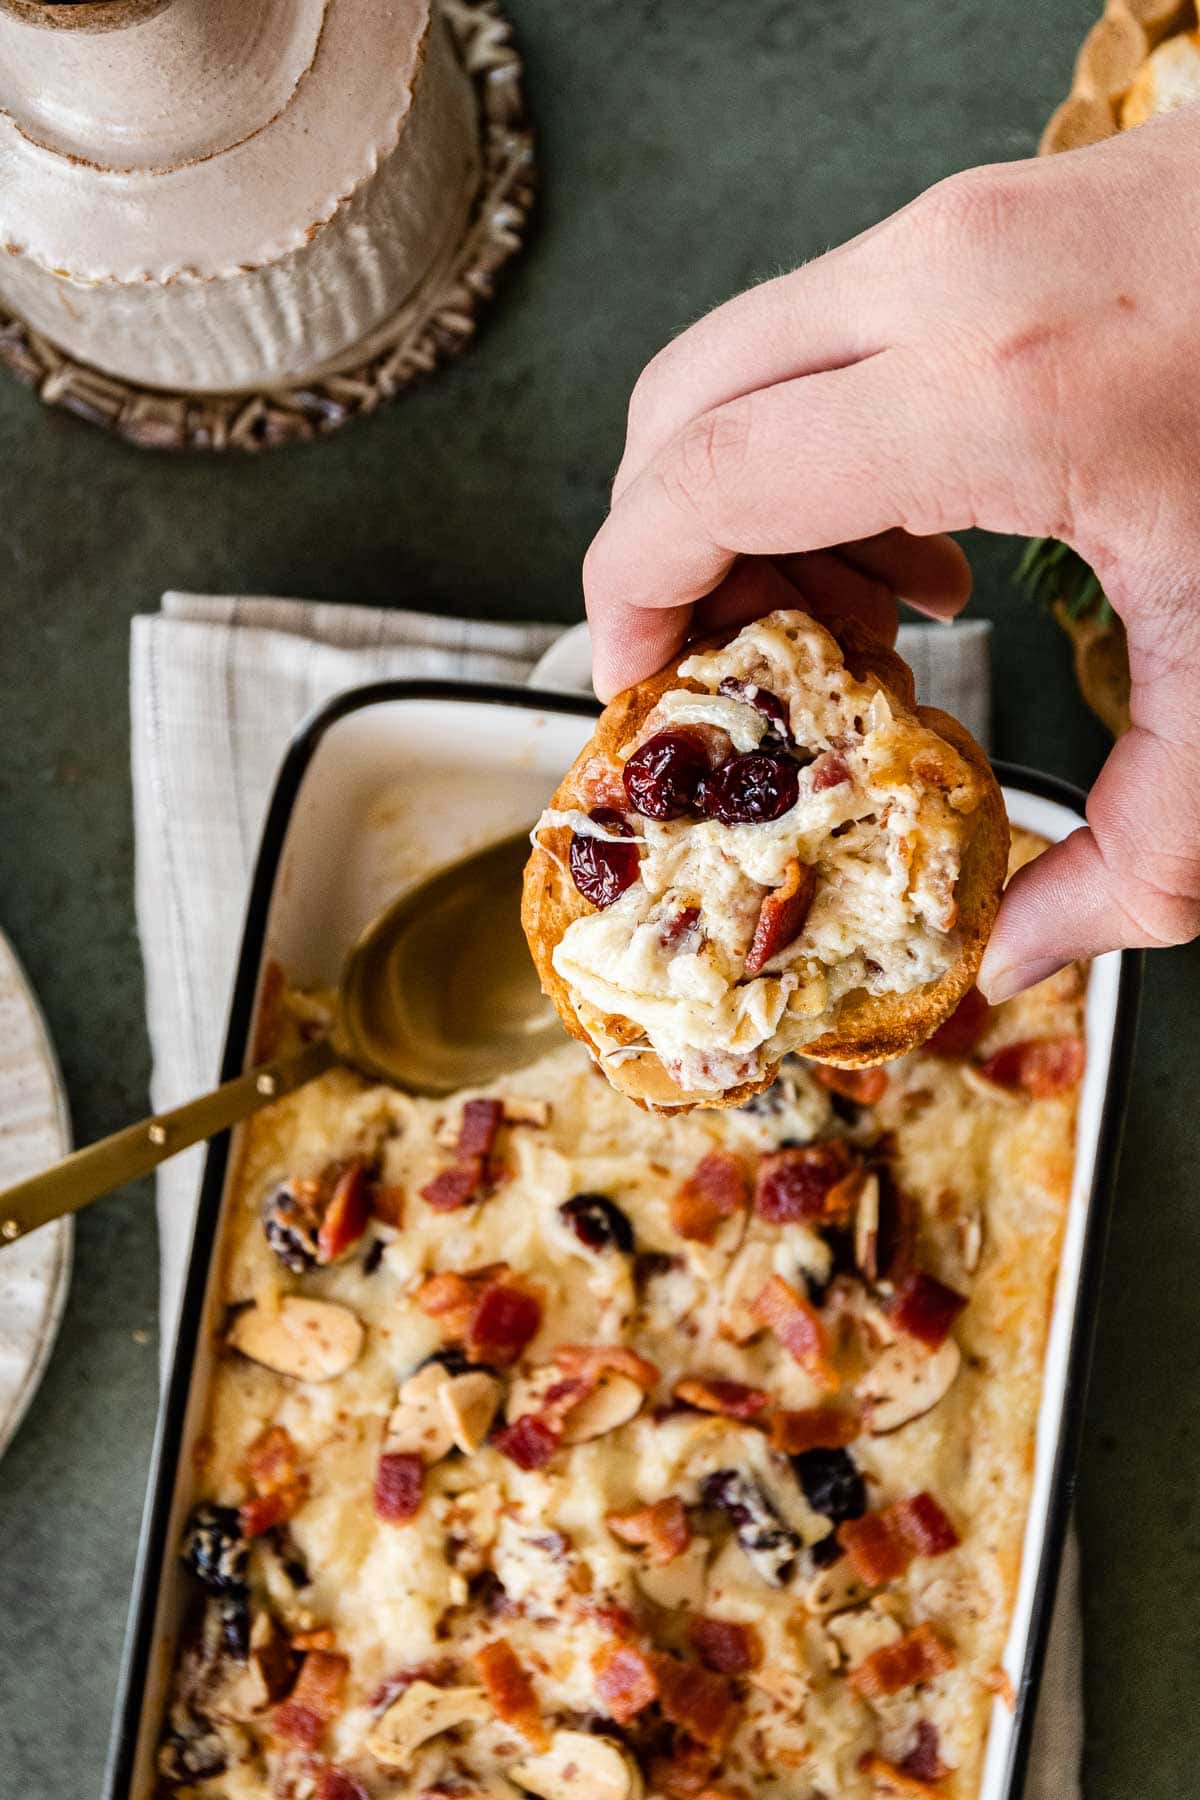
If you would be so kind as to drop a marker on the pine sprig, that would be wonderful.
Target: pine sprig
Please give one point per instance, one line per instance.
(1050, 571)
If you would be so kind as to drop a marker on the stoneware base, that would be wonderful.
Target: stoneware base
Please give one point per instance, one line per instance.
(435, 322)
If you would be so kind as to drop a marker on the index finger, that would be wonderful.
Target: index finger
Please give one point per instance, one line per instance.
(823, 460)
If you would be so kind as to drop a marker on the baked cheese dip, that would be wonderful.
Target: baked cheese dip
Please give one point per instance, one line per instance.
(560, 1448)
(766, 849)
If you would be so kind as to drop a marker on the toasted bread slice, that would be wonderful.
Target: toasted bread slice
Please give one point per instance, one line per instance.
(920, 758)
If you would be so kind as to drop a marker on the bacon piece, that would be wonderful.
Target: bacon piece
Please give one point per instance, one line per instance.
(264, 1511)
(923, 1525)
(715, 1190)
(611, 1616)
(917, 1657)
(626, 1681)
(926, 1308)
(387, 1205)
(829, 771)
(324, 1639)
(449, 1293)
(315, 1701)
(958, 1035)
(891, 1780)
(865, 1086)
(724, 1645)
(875, 1549)
(815, 1428)
(347, 1214)
(686, 1773)
(601, 1359)
(781, 916)
(272, 1462)
(529, 1441)
(443, 1672)
(601, 782)
(881, 1545)
(455, 1187)
(732, 1399)
(662, 1529)
(677, 926)
(335, 1784)
(699, 1702)
(479, 1128)
(272, 1467)
(504, 1320)
(1038, 1067)
(794, 1322)
(924, 1760)
(399, 1485)
(511, 1692)
(451, 1297)
(797, 1185)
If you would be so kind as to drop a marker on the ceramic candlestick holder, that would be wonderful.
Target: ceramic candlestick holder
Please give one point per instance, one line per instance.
(233, 224)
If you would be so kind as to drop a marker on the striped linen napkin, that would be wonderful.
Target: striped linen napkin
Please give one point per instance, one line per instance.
(218, 684)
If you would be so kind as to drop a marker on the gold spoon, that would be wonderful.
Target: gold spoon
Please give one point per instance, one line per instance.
(438, 993)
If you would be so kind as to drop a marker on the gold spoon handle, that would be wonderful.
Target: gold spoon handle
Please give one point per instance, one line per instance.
(85, 1176)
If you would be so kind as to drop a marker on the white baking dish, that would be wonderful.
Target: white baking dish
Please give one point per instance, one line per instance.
(385, 784)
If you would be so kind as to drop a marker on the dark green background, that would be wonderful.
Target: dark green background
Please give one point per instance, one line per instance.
(688, 147)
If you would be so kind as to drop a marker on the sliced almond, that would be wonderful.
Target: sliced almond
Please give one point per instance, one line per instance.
(311, 1340)
(612, 1403)
(423, 1712)
(679, 1583)
(906, 1382)
(791, 1691)
(866, 1227)
(417, 1424)
(527, 1112)
(585, 1767)
(468, 1405)
(834, 1589)
(860, 1631)
(749, 1273)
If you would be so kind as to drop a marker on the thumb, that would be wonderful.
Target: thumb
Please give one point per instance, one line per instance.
(1130, 878)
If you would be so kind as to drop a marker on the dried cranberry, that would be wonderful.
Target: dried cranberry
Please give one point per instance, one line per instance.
(600, 869)
(762, 700)
(291, 1225)
(832, 1484)
(597, 1222)
(215, 1550)
(664, 777)
(752, 789)
(770, 1544)
(824, 1553)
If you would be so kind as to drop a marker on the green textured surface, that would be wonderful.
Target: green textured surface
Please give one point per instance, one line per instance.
(688, 149)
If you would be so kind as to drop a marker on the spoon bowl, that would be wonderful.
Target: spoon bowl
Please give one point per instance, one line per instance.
(438, 993)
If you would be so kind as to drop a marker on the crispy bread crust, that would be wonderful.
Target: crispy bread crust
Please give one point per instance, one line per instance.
(870, 1029)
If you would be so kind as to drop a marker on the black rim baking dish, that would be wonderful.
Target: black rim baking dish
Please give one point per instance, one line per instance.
(154, 1547)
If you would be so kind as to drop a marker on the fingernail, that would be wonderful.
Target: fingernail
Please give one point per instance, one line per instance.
(1006, 979)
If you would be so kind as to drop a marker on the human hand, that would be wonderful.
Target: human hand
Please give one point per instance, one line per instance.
(1019, 349)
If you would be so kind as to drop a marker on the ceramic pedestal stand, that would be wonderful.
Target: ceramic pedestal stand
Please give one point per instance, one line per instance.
(476, 223)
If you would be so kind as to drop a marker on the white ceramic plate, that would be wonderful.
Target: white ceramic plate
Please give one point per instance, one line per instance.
(380, 788)
(35, 1130)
